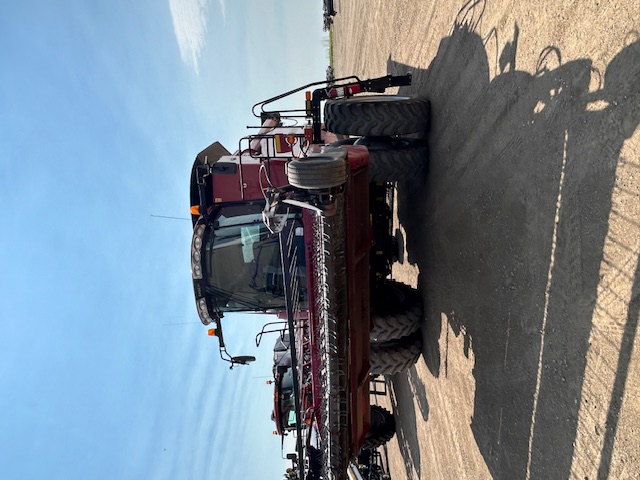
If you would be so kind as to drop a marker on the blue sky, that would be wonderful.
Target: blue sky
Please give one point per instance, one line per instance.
(103, 106)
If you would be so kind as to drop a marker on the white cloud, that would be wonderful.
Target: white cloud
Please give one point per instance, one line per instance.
(190, 28)
(223, 9)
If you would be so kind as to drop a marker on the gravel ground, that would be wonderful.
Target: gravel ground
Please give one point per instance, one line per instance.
(525, 238)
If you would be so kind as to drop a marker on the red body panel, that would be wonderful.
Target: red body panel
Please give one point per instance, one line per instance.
(359, 241)
(228, 188)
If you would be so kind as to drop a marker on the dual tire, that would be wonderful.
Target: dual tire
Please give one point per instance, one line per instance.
(396, 356)
(377, 115)
(396, 341)
(380, 120)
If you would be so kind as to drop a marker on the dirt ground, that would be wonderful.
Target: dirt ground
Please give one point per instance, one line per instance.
(525, 238)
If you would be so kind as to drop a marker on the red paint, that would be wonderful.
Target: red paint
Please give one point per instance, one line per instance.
(227, 188)
(358, 241)
(345, 91)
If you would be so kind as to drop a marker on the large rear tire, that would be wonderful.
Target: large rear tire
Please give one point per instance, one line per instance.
(396, 356)
(317, 173)
(396, 159)
(382, 429)
(397, 312)
(377, 115)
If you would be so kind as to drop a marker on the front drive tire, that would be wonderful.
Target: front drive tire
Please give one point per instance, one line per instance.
(377, 115)
(396, 356)
(396, 313)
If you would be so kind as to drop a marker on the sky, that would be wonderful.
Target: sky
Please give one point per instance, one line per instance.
(105, 370)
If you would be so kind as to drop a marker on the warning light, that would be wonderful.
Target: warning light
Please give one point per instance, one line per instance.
(211, 332)
(195, 210)
(307, 103)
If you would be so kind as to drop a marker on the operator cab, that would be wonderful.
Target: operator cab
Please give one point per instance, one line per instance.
(236, 261)
(235, 256)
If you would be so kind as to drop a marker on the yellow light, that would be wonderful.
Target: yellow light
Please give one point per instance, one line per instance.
(195, 210)
(211, 332)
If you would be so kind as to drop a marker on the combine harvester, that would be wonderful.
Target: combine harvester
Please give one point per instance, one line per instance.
(298, 223)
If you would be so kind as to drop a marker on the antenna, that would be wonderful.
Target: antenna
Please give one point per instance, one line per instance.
(172, 218)
(182, 323)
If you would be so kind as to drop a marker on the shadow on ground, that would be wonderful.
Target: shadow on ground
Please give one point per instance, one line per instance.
(404, 388)
(508, 234)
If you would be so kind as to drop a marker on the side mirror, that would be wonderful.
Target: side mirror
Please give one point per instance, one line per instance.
(243, 359)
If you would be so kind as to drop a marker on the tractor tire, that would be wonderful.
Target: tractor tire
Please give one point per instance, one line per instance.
(382, 429)
(396, 314)
(396, 159)
(317, 173)
(377, 115)
(396, 356)
(344, 141)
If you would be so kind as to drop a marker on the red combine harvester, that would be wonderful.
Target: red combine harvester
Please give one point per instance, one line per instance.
(298, 223)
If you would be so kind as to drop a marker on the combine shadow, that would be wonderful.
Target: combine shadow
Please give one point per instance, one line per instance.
(508, 233)
(404, 389)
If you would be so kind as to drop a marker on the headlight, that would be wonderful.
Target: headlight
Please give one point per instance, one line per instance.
(196, 272)
(196, 255)
(203, 312)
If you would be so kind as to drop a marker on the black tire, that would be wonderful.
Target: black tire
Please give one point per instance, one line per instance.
(377, 115)
(396, 159)
(397, 312)
(383, 428)
(344, 141)
(317, 173)
(396, 356)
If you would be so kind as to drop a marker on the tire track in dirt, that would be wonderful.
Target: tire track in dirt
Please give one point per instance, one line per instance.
(514, 87)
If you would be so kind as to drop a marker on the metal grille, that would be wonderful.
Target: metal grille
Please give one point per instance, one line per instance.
(331, 307)
(330, 296)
